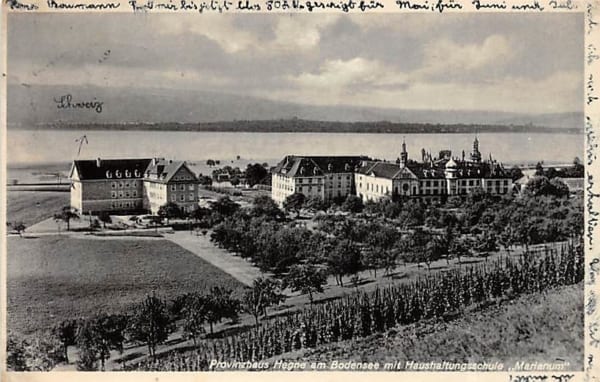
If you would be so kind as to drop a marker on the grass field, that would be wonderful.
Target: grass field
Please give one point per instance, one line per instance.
(543, 327)
(52, 278)
(31, 207)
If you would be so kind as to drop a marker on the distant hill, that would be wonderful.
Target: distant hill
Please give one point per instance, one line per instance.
(30, 106)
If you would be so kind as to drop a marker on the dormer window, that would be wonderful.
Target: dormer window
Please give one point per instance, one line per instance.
(108, 174)
(347, 167)
(127, 174)
(136, 173)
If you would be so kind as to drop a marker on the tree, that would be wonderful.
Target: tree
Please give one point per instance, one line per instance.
(255, 173)
(294, 202)
(170, 210)
(104, 217)
(263, 294)
(219, 305)
(435, 249)
(97, 337)
(265, 206)
(235, 181)
(460, 248)
(353, 204)
(194, 315)
(66, 214)
(515, 173)
(539, 169)
(18, 227)
(344, 259)
(418, 240)
(66, 333)
(225, 206)
(305, 278)
(210, 162)
(150, 323)
(316, 203)
(542, 186)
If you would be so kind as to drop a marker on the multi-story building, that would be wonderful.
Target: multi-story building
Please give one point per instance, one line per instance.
(326, 177)
(170, 181)
(123, 186)
(108, 185)
(432, 178)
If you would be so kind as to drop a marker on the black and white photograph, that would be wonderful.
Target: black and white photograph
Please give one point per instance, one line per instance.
(391, 192)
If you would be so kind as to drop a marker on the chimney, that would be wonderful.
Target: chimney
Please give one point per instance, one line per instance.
(154, 160)
(98, 162)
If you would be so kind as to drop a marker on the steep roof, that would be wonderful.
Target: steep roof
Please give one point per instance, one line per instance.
(164, 170)
(293, 165)
(381, 169)
(110, 168)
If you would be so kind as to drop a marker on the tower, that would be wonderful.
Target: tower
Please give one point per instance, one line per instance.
(451, 173)
(403, 154)
(475, 154)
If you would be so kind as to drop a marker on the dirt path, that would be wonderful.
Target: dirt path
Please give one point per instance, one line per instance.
(201, 246)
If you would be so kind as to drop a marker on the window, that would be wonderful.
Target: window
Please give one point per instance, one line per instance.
(192, 187)
(182, 197)
(310, 180)
(126, 184)
(113, 185)
(120, 184)
(120, 194)
(134, 183)
(134, 193)
(113, 194)
(470, 182)
(173, 187)
(126, 194)
(182, 187)
(173, 197)
(191, 198)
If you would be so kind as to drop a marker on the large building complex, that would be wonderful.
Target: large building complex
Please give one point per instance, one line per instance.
(433, 178)
(326, 177)
(131, 185)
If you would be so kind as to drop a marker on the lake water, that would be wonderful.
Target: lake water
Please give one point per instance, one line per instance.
(35, 147)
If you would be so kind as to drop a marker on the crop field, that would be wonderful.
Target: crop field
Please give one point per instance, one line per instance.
(56, 277)
(542, 327)
(31, 207)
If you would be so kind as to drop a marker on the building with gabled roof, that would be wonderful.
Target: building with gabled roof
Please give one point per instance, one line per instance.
(122, 186)
(108, 185)
(326, 177)
(167, 181)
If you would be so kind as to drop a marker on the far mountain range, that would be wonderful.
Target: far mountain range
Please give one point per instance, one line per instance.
(34, 106)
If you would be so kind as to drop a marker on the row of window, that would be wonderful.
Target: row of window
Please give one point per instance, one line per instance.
(116, 185)
(191, 187)
(123, 194)
(119, 174)
(119, 205)
(191, 197)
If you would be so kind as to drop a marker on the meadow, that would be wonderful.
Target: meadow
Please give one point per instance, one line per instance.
(31, 207)
(57, 277)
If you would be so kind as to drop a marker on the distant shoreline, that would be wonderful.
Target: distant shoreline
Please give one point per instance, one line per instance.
(307, 126)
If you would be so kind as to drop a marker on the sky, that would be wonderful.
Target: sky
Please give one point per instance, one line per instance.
(528, 63)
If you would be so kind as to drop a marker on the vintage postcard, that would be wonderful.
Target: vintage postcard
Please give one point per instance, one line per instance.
(391, 189)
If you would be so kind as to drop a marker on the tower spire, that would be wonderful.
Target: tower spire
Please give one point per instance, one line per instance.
(475, 154)
(403, 154)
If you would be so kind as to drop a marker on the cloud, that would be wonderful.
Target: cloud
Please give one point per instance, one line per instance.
(289, 32)
(558, 92)
(447, 57)
(117, 76)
